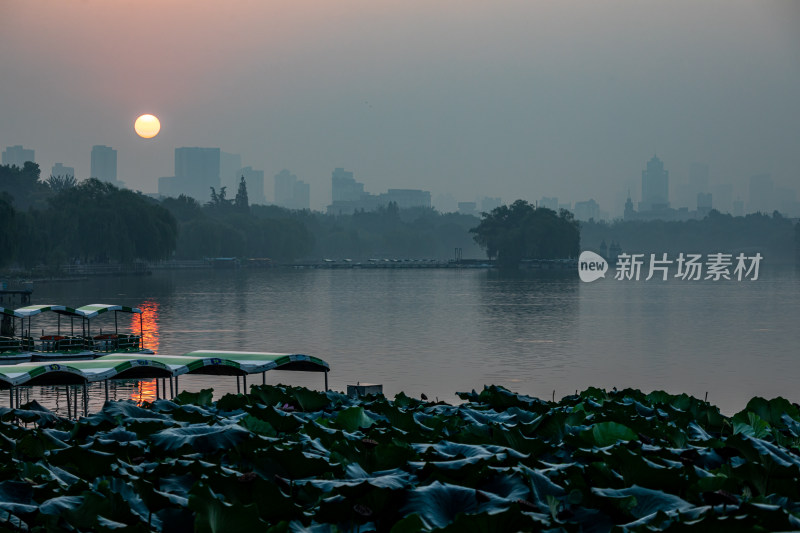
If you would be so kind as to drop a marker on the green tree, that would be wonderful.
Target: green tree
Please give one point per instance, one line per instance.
(522, 231)
(98, 222)
(23, 184)
(8, 234)
(59, 183)
(240, 202)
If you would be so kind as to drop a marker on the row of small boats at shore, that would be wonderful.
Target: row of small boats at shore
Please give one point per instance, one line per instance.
(76, 340)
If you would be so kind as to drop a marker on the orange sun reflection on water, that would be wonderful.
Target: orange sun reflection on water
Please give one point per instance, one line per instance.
(149, 325)
(145, 391)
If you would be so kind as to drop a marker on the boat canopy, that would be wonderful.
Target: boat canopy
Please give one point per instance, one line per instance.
(77, 372)
(10, 312)
(134, 366)
(267, 361)
(93, 310)
(32, 310)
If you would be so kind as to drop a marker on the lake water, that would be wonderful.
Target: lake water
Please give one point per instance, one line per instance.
(441, 331)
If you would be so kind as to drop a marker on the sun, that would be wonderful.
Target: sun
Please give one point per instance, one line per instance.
(147, 126)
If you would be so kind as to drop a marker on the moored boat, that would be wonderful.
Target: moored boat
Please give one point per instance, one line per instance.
(62, 344)
(13, 348)
(117, 342)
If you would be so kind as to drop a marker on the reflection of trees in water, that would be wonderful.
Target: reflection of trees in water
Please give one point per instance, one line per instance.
(529, 320)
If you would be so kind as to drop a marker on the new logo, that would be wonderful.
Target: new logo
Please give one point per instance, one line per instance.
(591, 266)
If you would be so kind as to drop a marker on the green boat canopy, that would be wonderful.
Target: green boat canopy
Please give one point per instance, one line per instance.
(10, 312)
(93, 310)
(134, 366)
(33, 310)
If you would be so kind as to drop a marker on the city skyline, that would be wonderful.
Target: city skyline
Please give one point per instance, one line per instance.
(759, 192)
(531, 99)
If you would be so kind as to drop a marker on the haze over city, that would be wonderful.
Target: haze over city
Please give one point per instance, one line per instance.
(520, 100)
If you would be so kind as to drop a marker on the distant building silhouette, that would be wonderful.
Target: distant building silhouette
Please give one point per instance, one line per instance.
(549, 202)
(104, 164)
(17, 155)
(655, 186)
(468, 208)
(302, 195)
(489, 203)
(255, 184)
(704, 205)
(344, 187)
(196, 171)
(291, 192)
(348, 196)
(588, 210)
(60, 170)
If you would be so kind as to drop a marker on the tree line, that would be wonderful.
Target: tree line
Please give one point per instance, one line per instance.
(775, 236)
(60, 220)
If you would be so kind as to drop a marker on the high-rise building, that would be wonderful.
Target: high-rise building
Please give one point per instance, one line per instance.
(302, 195)
(61, 170)
(704, 204)
(488, 203)
(284, 188)
(468, 208)
(588, 210)
(291, 192)
(17, 155)
(104, 164)
(549, 202)
(197, 170)
(255, 184)
(344, 187)
(655, 186)
(406, 198)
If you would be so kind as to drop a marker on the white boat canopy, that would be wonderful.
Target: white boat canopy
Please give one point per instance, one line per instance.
(93, 310)
(33, 310)
(135, 366)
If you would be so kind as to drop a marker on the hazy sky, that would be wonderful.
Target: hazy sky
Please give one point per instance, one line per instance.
(510, 98)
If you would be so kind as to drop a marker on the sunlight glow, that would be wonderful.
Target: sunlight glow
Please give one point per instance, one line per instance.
(147, 126)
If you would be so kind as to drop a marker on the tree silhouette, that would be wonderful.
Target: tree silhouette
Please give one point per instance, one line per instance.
(60, 183)
(522, 231)
(240, 202)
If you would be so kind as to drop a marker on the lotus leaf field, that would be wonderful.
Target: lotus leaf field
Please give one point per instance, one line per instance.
(291, 459)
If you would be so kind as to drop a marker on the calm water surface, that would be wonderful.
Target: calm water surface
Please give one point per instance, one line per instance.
(441, 331)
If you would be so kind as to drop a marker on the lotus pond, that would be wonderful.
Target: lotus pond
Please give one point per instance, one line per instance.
(291, 459)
